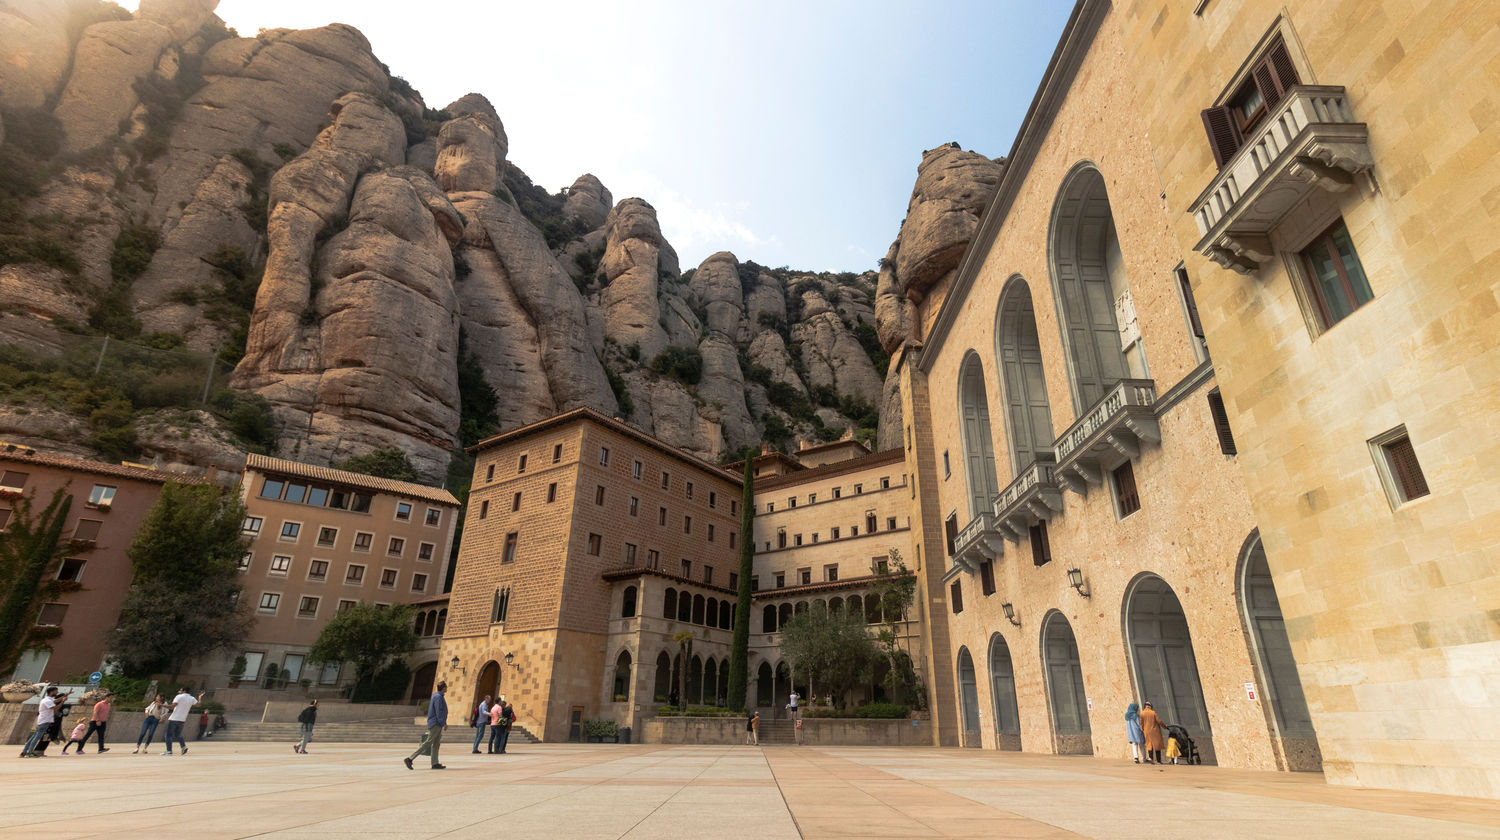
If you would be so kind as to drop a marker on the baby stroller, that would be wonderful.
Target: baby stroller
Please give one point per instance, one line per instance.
(1185, 746)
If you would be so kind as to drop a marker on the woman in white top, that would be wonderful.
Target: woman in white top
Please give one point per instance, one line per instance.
(155, 714)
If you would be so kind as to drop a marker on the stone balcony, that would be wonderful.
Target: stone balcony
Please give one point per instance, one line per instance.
(1035, 494)
(980, 540)
(1115, 426)
(1309, 141)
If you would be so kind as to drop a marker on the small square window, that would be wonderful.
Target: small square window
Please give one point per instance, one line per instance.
(434, 516)
(780, 580)
(307, 607)
(885, 483)
(403, 511)
(251, 526)
(831, 572)
(87, 530)
(243, 564)
(363, 540)
(354, 574)
(280, 564)
(890, 523)
(834, 534)
(859, 489)
(296, 493)
(396, 547)
(51, 615)
(102, 496)
(290, 530)
(1127, 500)
(388, 578)
(635, 470)
(72, 569)
(1336, 279)
(1400, 472)
(596, 545)
(509, 554)
(269, 601)
(424, 551)
(521, 464)
(603, 456)
(419, 583)
(346, 604)
(327, 536)
(804, 576)
(556, 452)
(271, 489)
(318, 570)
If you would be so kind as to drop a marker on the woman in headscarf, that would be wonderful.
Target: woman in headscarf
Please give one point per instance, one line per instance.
(1153, 727)
(1133, 732)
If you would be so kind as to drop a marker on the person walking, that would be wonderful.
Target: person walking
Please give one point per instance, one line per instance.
(1133, 732)
(1153, 727)
(99, 722)
(755, 729)
(750, 728)
(507, 720)
(480, 720)
(46, 716)
(182, 706)
(307, 718)
(437, 721)
(79, 733)
(497, 711)
(156, 712)
(792, 706)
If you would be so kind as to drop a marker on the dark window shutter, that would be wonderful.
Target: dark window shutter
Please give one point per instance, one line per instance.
(1041, 551)
(987, 577)
(956, 597)
(1280, 60)
(1223, 133)
(1221, 423)
(1408, 471)
(1192, 305)
(950, 530)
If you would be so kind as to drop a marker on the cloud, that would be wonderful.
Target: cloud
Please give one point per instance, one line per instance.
(694, 229)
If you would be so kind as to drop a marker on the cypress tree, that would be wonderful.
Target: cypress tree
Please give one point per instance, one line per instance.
(739, 652)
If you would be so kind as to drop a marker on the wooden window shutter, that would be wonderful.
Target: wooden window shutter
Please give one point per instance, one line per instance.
(1192, 305)
(1223, 133)
(950, 530)
(1275, 74)
(956, 597)
(1221, 423)
(1041, 551)
(1407, 471)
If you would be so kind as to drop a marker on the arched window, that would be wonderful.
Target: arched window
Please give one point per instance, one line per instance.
(627, 609)
(800, 608)
(979, 452)
(726, 615)
(764, 684)
(1007, 717)
(711, 616)
(783, 614)
(968, 697)
(872, 609)
(418, 624)
(698, 609)
(710, 683)
(669, 603)
(442, 622)
(768, 619)
(1089, 283)
(430, 628)
(685, 607)
(623, 683)
(1070, 714)
(1028, 416)
(836, 605)
(662, 685)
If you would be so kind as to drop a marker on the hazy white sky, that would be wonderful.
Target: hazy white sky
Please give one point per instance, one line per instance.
(786, 132)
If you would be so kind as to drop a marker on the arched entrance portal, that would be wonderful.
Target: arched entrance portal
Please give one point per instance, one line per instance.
(1281, 687)
(1003, 691)
(1069, 704)
(968, 697)
(1161, 649)
(421, 682)
(488, 683)
(764, 685)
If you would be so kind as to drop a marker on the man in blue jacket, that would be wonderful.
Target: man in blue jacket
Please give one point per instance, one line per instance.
(437, 721)
(481, 720)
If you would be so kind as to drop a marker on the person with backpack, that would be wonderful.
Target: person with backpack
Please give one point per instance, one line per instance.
(507, 720)
(479, 721)
(307, 718)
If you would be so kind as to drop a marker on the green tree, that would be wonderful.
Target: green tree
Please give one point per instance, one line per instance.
(368, 636)
(832, 647)
(30, 550)
(184, 596)
(389, 462)
(739, 650)
(895, 589)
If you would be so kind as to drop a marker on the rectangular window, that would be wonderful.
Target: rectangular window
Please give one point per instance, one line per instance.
(271, 488)
(1190, 310)
(635, 470)
(596, 545)
(484, 509)
(666, 480)
(1127, 500)
(815, 537)
(318, 570)
(890, 523)
(733, 539)
(831, 572)
(770, 507)
(734, 581)
(360, 503)
(269, 601)
(290, 530)
(708, 574)
(630, 554)
(687, 568)
(434, 516)
(388, 578)
(515, 502)
(424, 551)
(838, 492)
(950, 533)
(556, 452)
(734, 507)
(1041, 551)
(755, 583)
(853, 530)
(797, 540)
(635, 506)
(51, 615)
(599, 495)
(509, 554)
(1221, 422)
(551, 492)
(781, 538)
(307, 607)
(791, 502)
(244, 562)
(280, 564)
(403, 511)
(1399, 469)
(489, 473)
(713, 500)
(521, 464)
(339, 499)
(859, 489)
(661, 516)
(687, 524)
(72, 569)
(1336, 278)
(780, 580)
(710, 532)
(396, 548)
(834, 534)
(603, 456)
(363, 540)
(690, 489)
(804, 576)
(653, 559)
(885, 483)
(870, 522)
(419, 583)
(13, 480)
(987, 577)
(327, 536)
(881, 565)
(251, 526)
(317, 496)
(1272, 74)
(102, 496)
(812, 498)
(345, 604)
(296, 493)
(355, 574)
(956, 597)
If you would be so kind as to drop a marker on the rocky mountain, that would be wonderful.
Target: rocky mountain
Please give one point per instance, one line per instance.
(377, 272)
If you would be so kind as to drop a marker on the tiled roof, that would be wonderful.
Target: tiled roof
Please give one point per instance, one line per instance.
(281, 466)
(813, 588)
(889, 456)
(11, 453)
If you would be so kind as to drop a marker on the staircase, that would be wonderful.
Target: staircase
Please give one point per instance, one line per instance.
(776, 732)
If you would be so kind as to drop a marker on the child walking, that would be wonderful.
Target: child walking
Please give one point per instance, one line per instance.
(80, 732)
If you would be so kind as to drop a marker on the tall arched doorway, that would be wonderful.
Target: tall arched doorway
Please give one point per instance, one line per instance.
(1065, 693)
(622, 687)
(488, 682)
(979, 451)
(1028, 415)
(968, 697)
(1003, 693)
(1090, 285)
(764, 685)
(1161, 649)
(661, 687)
(1281, 687)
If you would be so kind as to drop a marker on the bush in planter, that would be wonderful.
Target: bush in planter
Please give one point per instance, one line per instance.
(600, 729)
(697, 711)
(869, 710)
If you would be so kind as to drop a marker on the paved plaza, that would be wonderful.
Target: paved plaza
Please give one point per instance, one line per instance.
(229, 790)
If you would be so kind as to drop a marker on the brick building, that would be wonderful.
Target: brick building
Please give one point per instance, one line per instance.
(109, 503)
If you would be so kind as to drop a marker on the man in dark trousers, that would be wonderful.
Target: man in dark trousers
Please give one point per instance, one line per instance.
(507, 718)
(437, 721)
(481, 720)
(306, 719)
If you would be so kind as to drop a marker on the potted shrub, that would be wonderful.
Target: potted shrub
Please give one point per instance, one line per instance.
(597, 730)
(237, 670)
(19, 691)
(271, 672)
(621, 698)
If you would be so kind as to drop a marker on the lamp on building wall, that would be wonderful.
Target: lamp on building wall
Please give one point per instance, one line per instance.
(1075, 580)
(510, 659)
(1010, 614)
(455, 665)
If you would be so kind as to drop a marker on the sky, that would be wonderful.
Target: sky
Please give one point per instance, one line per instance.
(786, 132)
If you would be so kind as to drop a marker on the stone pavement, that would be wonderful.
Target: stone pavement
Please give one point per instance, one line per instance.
(558, 791)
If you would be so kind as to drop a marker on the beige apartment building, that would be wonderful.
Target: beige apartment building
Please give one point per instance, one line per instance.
(319, 540)
(109, 503)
